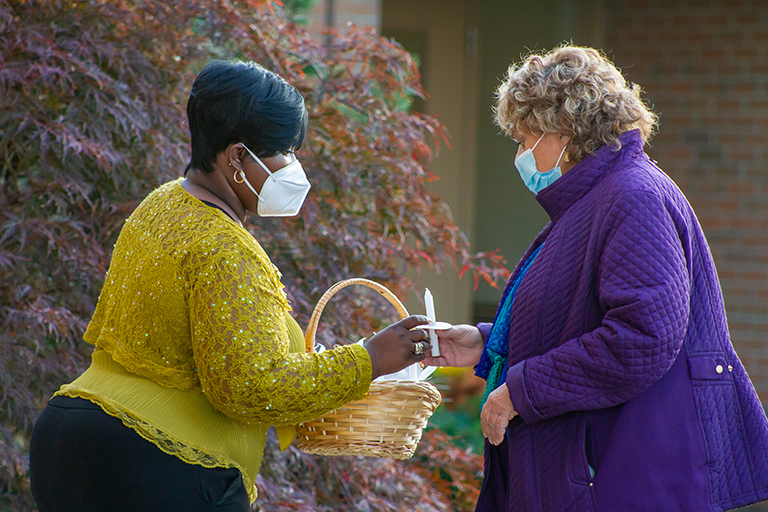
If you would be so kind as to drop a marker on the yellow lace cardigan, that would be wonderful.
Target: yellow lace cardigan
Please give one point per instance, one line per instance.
(195, 349)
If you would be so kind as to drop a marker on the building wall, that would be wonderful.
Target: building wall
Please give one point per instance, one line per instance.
(508, 216)
(439, 33)
(442, 34)
(364, 13)
(704, 67)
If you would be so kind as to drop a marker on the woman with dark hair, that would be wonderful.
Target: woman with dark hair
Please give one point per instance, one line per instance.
(196, 352)
(612, 384)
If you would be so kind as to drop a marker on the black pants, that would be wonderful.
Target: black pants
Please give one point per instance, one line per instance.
(82, 460)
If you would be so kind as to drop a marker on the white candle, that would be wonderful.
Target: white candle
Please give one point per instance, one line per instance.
(429, 302)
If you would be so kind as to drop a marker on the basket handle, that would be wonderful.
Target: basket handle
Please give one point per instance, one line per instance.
(314, 320)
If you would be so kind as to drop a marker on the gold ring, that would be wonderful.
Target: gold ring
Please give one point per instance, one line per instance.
(418, 348)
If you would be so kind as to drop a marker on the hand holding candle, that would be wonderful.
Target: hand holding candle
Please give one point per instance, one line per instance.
(430, 305)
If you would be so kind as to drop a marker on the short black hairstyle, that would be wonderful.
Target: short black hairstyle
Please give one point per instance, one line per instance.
(234, 101)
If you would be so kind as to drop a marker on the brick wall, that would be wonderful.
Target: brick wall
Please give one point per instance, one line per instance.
(704, 67)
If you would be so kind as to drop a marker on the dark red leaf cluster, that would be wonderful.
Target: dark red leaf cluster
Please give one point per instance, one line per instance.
(440, 477)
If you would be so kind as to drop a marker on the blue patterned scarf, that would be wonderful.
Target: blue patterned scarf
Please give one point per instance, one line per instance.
(496, 349)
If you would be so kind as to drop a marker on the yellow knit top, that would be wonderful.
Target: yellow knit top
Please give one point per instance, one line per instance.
(195, 349)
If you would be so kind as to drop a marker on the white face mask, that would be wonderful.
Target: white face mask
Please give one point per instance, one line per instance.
(283, 192)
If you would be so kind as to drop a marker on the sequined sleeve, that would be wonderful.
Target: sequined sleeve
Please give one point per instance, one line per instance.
(240, 341)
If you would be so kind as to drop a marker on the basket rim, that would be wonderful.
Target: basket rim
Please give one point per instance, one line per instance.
(314, 319)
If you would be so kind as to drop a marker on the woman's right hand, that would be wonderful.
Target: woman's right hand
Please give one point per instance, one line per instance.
(460, 346)
(394, 348)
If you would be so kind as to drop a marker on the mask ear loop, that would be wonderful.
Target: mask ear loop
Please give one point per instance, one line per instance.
(257, 159)
(242, 174)
(239, 173)
(557, 164)
(537, 142)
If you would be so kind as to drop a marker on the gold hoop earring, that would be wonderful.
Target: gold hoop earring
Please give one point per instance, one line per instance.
(567, 158)
(241, 175)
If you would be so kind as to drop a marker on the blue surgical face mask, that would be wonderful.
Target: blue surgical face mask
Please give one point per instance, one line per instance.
(536, 181)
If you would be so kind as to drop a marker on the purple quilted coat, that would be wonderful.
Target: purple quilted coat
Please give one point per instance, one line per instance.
(629, 393)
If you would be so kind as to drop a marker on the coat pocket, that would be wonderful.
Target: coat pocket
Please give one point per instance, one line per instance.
(582, 461)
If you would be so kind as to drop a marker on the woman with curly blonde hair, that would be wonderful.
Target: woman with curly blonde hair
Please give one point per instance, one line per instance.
(612, 384)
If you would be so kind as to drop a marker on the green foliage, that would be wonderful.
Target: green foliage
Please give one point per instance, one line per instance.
(462, 423)
(92, 97)
(299, 10)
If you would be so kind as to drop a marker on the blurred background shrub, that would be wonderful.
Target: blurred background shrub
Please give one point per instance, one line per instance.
(92, 98)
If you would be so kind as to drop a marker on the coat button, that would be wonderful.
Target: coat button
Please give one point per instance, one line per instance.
(719, 368)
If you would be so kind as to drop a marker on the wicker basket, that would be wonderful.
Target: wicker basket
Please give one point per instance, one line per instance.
(388, 422)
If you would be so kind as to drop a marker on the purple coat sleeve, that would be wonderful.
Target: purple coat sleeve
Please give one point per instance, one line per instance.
(485, 330)
(643, 289)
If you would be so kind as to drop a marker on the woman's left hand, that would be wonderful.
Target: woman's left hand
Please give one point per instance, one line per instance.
(497, 412)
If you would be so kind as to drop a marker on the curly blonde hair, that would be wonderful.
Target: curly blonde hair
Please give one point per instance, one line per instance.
(572, 91)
